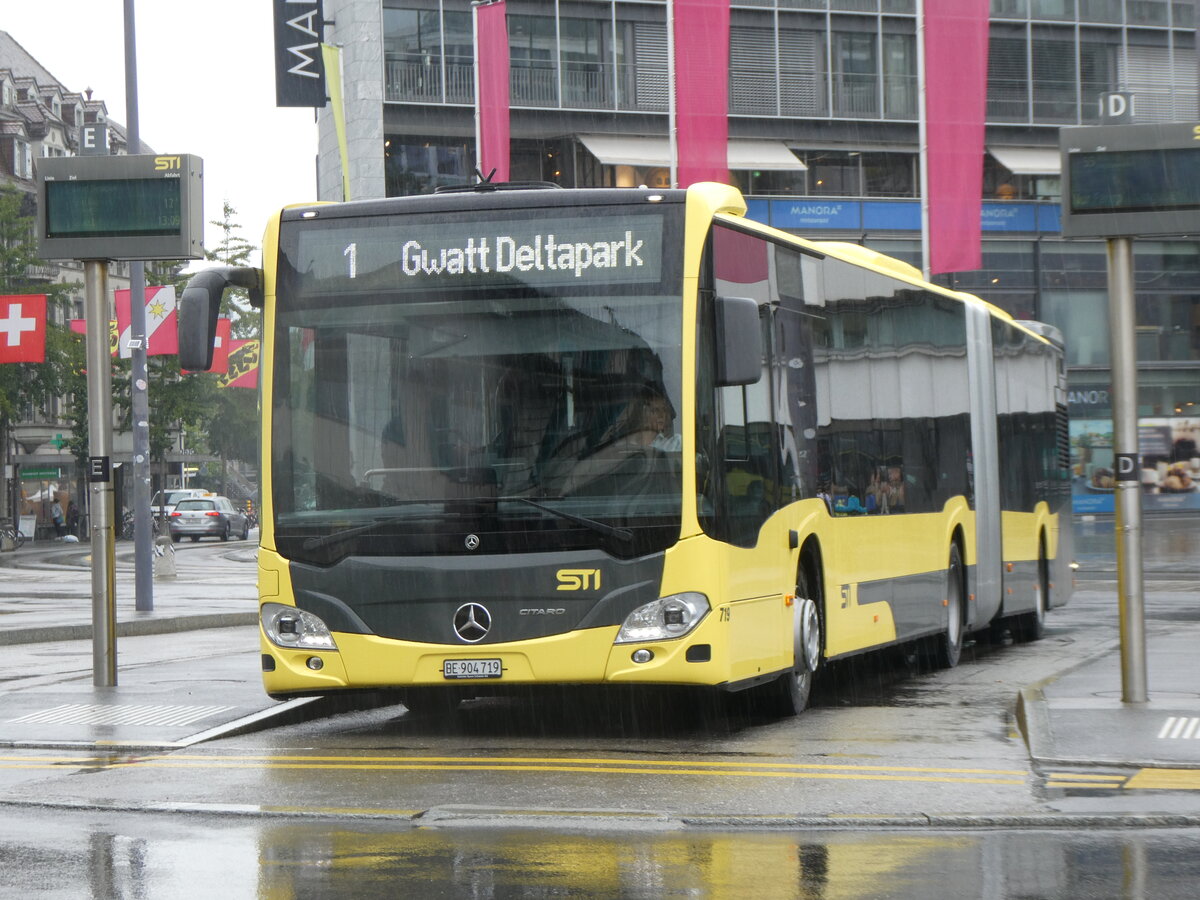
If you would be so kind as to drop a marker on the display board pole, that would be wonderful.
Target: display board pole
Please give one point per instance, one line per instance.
(1128, 525)
(100, 485)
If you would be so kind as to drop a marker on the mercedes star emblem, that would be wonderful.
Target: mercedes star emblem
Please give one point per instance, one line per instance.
(472, 622)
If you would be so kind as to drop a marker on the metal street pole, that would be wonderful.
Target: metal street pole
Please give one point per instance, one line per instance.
(1128, 525)
(99, 391)
(143, 537)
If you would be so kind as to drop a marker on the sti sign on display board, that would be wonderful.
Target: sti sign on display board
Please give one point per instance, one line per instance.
(120, 207)
(1131, 180)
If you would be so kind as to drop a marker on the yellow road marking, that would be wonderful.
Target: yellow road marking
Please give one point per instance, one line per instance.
(586, 761)
(581, 765)
(592, 770)
(1165, 780)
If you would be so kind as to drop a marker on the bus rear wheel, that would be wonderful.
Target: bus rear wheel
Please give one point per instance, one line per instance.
(950, 643)
(1031, 626)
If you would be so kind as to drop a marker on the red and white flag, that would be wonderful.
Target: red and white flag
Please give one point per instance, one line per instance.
(23, 328)
(162, 337)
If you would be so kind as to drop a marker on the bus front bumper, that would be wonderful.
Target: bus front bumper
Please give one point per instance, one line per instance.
(589, 656)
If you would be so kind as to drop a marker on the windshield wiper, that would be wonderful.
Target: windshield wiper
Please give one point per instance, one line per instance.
(324, 540)
(334, 537)
(621, 534)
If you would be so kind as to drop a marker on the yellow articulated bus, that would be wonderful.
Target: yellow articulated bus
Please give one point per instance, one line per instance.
(527, 436)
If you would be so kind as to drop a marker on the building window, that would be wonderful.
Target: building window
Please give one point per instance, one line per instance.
(855, 75)
(899, 76)
(802, 72)
(416, 166)
(587, 78)
(428, 57)
(1008, 79)
(1054, 78)
(1097, 69)
(534, 77)
(753, 76)
(889, 174)
(833, 173)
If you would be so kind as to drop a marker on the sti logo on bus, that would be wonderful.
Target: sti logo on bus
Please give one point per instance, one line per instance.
(578, 579)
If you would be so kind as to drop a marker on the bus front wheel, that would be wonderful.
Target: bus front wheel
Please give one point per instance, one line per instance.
(793, 689)
(950, 643)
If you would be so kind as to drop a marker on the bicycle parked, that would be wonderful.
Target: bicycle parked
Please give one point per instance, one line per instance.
(9, 533)
(127, 526)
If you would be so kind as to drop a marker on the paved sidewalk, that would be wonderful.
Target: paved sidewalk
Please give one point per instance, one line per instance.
(45, 593)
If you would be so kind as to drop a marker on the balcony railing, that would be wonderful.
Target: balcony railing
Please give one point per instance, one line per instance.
(752, 91)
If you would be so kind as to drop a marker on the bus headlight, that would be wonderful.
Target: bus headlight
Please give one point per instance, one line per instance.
(664, 618)
(291, 627)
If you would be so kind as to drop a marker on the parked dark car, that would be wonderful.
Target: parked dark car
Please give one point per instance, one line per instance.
(198, 517)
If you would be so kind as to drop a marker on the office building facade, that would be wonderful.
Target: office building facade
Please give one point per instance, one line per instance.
(823, 139)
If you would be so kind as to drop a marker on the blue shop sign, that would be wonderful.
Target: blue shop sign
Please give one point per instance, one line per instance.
(1049, 217)
(816, 214)
(1009, 217)
(891, 215)
(758, 210)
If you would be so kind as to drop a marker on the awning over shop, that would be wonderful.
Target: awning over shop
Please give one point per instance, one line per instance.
(1029, 160)
(636, 150)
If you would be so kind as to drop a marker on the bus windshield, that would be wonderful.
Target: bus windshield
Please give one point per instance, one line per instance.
(485, 381)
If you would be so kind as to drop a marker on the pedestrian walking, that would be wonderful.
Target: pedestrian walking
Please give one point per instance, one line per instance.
(72, 518)
(56, 516)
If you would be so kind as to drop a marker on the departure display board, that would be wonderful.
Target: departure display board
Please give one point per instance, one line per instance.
(1131, 180)
(120, 207)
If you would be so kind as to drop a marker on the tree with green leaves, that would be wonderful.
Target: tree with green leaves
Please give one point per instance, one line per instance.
(233, 430)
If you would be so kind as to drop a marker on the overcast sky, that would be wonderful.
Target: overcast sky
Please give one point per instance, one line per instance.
(205, 86)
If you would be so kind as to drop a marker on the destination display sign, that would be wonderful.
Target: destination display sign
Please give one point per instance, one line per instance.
(402, 254)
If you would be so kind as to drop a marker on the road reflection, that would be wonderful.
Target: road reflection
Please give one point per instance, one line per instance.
(374, 859)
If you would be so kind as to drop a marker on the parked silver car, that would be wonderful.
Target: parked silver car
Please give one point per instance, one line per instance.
(198, 517)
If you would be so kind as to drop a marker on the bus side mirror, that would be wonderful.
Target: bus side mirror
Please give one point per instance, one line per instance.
(200, 306)
(739, 342)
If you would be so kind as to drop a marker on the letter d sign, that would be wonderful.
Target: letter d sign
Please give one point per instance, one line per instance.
(1116, 108)
(1127, 466)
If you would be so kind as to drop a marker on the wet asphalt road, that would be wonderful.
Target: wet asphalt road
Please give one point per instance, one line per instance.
(355, 802)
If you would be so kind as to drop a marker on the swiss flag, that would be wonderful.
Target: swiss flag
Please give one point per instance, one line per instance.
(23, 328)
(162, 337)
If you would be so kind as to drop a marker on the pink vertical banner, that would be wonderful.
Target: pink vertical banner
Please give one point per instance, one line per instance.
(956, 47)
(491, 90)
(702, 90)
